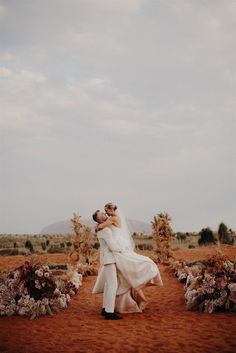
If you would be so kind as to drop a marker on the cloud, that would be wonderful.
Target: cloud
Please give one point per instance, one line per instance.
(5, 73)
(197, 157)
(126, 6)
(230, 76)
(137, 97)
(6, 56)
(74, 38)
(122, 127)
(2, 10)
(24, 76)
(98, 83)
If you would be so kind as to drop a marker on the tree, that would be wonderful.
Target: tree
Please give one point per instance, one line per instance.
(206, 237)
(224, 234)
(43, 245)
(181, 236)
(28, 245)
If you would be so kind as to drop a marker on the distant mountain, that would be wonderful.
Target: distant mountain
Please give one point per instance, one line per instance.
(65, 227)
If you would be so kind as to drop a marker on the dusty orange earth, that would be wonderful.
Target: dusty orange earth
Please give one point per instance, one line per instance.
(165, 326)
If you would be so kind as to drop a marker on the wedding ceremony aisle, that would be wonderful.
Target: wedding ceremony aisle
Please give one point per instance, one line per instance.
(165, 325)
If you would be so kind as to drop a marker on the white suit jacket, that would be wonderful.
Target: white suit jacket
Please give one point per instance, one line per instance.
(107, 246)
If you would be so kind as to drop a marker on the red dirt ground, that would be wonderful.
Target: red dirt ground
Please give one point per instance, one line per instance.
(165, 326)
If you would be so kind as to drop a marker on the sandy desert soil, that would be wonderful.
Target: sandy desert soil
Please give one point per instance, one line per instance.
(165, 326)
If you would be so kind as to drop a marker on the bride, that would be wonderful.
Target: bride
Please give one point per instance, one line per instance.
(134, 271)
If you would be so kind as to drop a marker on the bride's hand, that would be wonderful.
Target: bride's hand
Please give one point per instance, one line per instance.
(97, 228)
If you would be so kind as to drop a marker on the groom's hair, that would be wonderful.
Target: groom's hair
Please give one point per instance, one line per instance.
(95, 215)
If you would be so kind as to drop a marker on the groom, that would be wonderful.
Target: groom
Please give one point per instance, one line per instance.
(107, 259)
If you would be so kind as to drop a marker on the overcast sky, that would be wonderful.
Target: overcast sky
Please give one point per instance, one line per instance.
(130, 101)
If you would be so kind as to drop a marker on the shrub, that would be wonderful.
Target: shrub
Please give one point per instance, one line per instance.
(191, 246)
(181, 236)
(55, 249)
(9, 252)
(224, 235)
(43, 245)
(144, 247)
(206, 237)
(28, 245)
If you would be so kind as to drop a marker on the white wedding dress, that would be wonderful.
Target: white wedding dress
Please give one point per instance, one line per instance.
(134, 272)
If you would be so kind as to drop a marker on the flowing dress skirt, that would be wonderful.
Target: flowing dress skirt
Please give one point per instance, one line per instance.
(134, 272)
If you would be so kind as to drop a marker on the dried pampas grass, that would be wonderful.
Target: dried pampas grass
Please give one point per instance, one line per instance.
(162, 234)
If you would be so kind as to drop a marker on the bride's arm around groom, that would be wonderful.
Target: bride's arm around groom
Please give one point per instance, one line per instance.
(137, 270)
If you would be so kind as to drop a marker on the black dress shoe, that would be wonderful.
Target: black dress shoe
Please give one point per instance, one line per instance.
(103, 312)
(112, 316)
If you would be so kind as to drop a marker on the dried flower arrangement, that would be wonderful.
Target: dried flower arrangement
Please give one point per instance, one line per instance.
(162, 234)
(83, 252)
(210, 285)
(33, 290)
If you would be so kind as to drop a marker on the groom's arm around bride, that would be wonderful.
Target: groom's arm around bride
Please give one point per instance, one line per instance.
(107, 277)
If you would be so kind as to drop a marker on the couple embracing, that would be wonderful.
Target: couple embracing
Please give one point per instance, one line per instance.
(123, 273)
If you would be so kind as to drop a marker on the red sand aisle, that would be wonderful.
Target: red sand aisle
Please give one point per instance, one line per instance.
(165, 326)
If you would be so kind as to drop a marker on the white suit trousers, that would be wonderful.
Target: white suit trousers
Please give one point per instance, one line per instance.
(110, 288)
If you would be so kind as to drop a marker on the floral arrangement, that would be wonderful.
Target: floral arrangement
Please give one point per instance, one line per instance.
(162, 234)
(33, 290)
(82, 248)
(210, 285)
